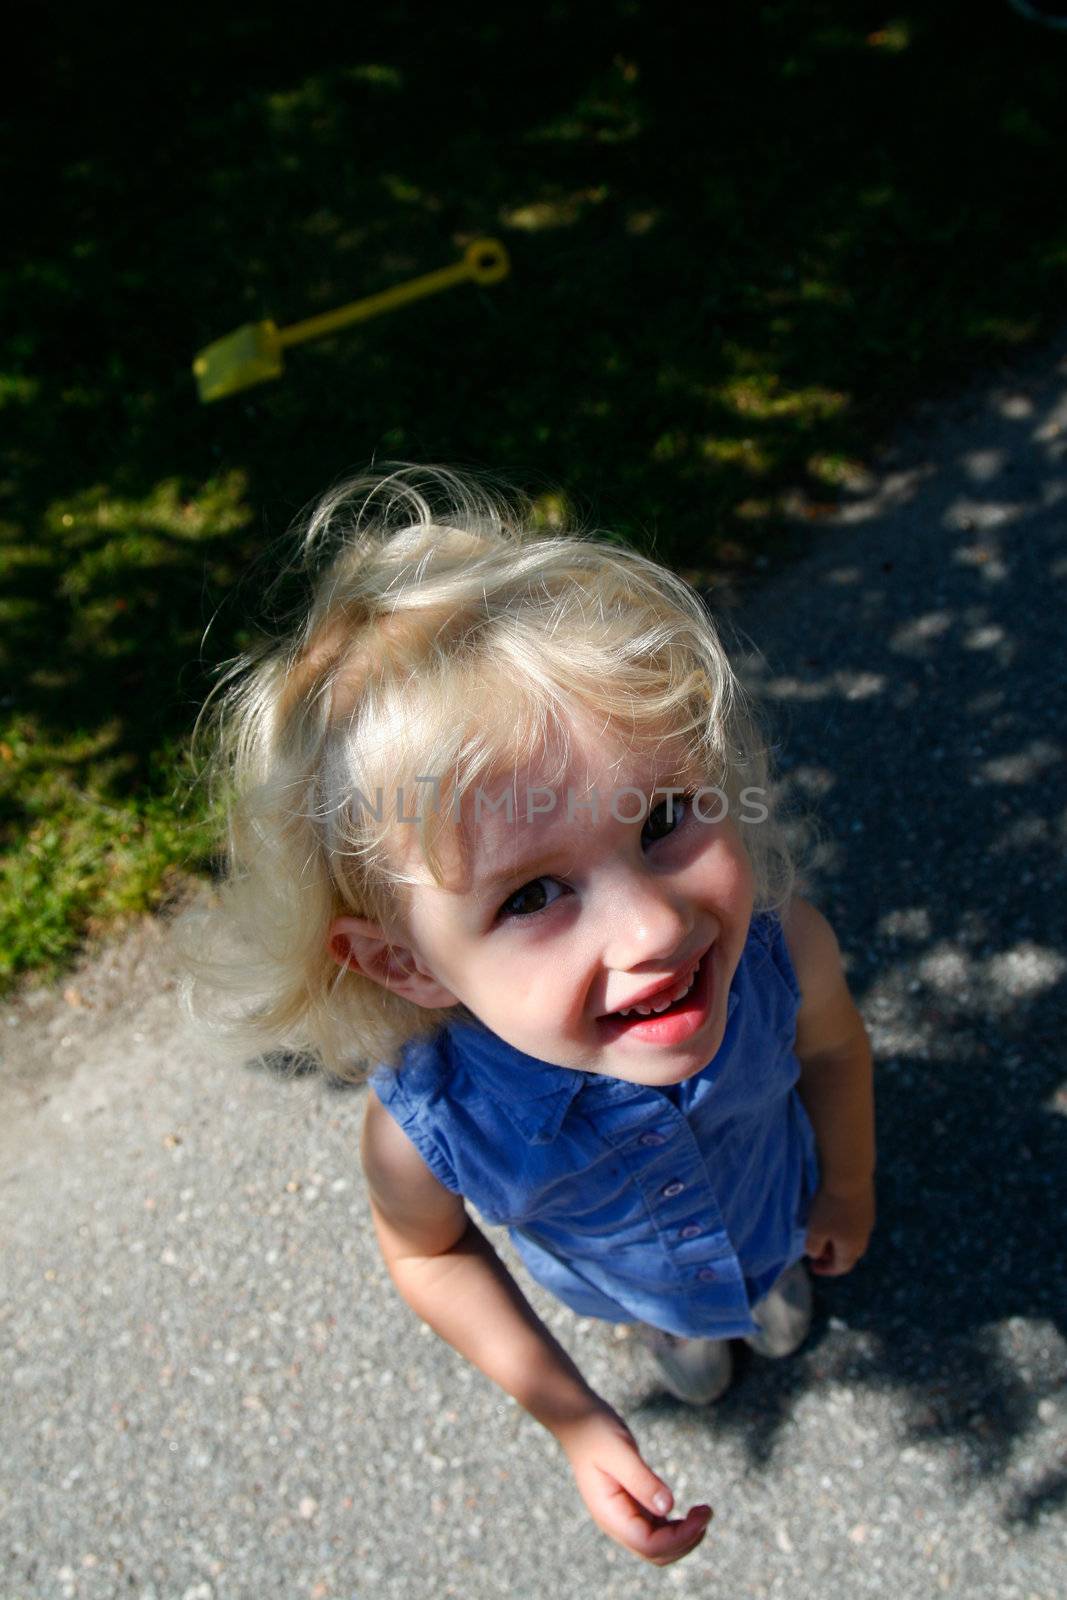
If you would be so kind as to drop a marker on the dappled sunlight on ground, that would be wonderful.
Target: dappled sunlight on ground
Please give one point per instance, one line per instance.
(921, 717)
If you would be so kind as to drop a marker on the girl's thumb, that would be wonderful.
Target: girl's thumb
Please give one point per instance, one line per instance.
(662, 1499)
(643, 1485)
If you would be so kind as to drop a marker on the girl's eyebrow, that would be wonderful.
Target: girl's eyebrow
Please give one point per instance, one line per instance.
(549, 856)
(553, 853)
(518, 870)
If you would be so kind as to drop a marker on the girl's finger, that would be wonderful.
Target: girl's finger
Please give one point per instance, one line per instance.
(635, 1481)
(658, 1536)
(674, 1540)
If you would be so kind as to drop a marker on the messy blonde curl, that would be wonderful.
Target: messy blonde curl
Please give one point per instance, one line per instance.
(445, 634)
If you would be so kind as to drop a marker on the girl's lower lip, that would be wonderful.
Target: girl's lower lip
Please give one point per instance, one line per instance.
(670, 1027)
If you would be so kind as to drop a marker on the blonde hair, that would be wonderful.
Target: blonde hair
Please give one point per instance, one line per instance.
(446, 636)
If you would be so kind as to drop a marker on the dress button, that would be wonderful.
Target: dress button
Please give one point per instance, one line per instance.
(653, 1138)
(691, 1230)
(672, 1189)
(707, 1274)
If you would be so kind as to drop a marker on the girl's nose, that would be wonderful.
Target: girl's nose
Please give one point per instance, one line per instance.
(648, 923)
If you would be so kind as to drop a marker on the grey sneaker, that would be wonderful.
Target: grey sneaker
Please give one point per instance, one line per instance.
(695, 1370)
(784, 1314)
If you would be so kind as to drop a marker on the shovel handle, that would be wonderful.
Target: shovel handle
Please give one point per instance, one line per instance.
(484, 261)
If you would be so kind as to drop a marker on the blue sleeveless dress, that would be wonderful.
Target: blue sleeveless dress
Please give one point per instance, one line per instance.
(677, 1207)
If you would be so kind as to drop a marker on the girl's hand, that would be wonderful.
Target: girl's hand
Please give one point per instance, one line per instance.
(620, 1491)
(839, 1226)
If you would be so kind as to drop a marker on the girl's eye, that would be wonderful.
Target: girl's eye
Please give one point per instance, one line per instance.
(665, 819)
(531, 898)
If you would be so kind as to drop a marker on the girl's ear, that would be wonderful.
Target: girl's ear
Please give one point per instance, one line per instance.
(367, 948)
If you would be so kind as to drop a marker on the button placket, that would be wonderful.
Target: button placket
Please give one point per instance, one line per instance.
(700, 1196)
(689, 1175)
(675, 1167)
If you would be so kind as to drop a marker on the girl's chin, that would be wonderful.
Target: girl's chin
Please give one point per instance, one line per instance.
(661, 1069)
(692, 1063)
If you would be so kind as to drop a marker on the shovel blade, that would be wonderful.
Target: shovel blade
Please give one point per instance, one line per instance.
(249, 355)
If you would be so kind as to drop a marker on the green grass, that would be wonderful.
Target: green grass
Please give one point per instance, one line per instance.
(744, 240)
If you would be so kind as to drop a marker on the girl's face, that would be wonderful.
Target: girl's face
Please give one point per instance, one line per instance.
(565, 918)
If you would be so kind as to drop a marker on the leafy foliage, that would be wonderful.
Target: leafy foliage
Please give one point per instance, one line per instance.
(743, 240)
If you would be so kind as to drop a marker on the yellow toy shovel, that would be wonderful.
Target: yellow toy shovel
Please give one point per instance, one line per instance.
(253, 353)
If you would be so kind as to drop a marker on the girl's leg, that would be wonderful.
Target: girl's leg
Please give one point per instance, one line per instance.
(784, 1314)
(695, 1370)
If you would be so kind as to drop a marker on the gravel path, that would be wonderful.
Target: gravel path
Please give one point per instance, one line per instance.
(211, 1389)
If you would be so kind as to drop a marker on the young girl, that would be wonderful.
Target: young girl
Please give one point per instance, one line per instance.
(499, 822)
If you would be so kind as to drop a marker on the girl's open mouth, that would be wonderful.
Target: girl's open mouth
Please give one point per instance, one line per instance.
(673, 1025)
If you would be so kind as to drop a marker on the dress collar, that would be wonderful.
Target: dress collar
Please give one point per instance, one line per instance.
(534, 1095)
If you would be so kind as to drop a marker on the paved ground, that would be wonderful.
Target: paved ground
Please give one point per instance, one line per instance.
(211, 1390)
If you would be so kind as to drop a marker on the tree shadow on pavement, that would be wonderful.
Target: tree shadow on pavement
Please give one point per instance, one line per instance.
(920, 711)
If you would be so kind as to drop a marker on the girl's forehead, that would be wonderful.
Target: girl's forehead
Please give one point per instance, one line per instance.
(545, 805)
(604, 762)
(600, 761)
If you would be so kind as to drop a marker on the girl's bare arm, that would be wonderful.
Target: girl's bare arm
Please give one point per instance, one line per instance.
(837, 1088)
(447, 1271)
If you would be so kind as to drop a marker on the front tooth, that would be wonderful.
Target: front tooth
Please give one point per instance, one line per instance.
(654, 1011)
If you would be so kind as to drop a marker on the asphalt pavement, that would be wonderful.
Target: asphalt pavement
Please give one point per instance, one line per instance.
(211, 1390)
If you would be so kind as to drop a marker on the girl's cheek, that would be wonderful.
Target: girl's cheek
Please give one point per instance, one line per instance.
(737, 871)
